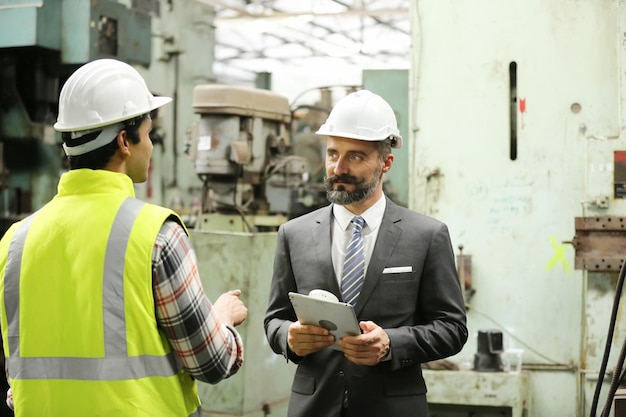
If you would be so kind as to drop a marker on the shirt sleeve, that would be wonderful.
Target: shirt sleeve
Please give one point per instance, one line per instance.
(209, 349)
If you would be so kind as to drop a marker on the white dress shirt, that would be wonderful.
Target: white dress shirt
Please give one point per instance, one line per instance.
(342, 231)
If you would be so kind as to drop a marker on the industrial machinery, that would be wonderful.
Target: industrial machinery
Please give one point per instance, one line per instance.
(41, 43)
(243, 153)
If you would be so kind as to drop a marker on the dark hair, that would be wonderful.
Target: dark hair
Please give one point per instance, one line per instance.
(384, 147)
(98, 158)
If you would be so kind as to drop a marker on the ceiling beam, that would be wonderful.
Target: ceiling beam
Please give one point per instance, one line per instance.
(285, 15)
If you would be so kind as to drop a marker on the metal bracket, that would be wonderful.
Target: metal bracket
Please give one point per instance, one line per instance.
(600, 243)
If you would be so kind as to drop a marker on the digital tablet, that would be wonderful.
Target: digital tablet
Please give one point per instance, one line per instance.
(335, 316)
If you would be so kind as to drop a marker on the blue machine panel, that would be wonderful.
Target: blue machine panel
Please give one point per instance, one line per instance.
(81, 30)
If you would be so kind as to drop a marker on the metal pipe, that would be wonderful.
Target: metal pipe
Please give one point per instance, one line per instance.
(549, 368)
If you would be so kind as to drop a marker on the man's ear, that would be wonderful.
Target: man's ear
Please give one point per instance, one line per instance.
(388, 162)
(122, 142)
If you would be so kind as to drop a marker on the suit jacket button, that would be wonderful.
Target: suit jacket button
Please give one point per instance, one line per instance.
(341, 374)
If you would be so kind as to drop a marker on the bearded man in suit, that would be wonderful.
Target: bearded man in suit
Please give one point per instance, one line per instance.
(408, 301)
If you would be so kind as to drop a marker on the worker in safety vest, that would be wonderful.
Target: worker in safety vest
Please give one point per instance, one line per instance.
(103, 311)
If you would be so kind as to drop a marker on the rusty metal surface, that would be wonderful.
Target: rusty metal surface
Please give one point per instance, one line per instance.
(600, 243)
(470, 388)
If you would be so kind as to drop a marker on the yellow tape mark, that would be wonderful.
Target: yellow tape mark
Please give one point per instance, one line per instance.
(559, 255)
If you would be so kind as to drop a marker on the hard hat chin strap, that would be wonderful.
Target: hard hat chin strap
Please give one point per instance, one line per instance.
(106, 136)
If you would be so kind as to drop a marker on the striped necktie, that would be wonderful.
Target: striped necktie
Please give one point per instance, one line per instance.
(354, 264)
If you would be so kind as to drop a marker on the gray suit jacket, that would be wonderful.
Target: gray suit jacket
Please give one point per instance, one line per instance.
(422, 311)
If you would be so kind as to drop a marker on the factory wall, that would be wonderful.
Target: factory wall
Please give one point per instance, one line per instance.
(516, 119)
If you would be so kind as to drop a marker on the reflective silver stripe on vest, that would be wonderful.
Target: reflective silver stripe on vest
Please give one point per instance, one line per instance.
(12, 284)
(116, 365)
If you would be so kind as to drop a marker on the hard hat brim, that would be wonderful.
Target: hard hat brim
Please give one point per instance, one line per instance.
(157, 101)
(397, 144)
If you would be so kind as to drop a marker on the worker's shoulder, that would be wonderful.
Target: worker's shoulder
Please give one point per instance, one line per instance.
(156, 210)
(314, 217)
(10, 232)
(399, 213)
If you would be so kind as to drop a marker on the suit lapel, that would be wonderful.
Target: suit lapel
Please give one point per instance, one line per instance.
(321, 236)
(388, 236)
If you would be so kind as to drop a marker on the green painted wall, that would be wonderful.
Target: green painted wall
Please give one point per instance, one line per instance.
(393, 86)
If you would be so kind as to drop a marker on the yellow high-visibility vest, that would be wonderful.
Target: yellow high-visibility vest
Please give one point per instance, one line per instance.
(78, 315)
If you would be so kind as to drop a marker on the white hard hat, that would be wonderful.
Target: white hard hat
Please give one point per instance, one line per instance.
(362, 115)
(103, 92)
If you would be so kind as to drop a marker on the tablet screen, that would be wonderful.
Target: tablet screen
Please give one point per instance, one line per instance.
(336, 316)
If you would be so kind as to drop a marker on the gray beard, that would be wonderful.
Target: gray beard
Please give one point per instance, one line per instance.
(360, 193)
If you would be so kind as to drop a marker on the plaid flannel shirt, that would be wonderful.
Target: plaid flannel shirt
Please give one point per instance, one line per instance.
(208, 349)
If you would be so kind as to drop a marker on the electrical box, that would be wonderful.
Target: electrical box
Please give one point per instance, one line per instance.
(32, 24)
(104, 28)
(81, 30)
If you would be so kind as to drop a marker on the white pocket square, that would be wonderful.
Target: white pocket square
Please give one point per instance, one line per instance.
(398, 270)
